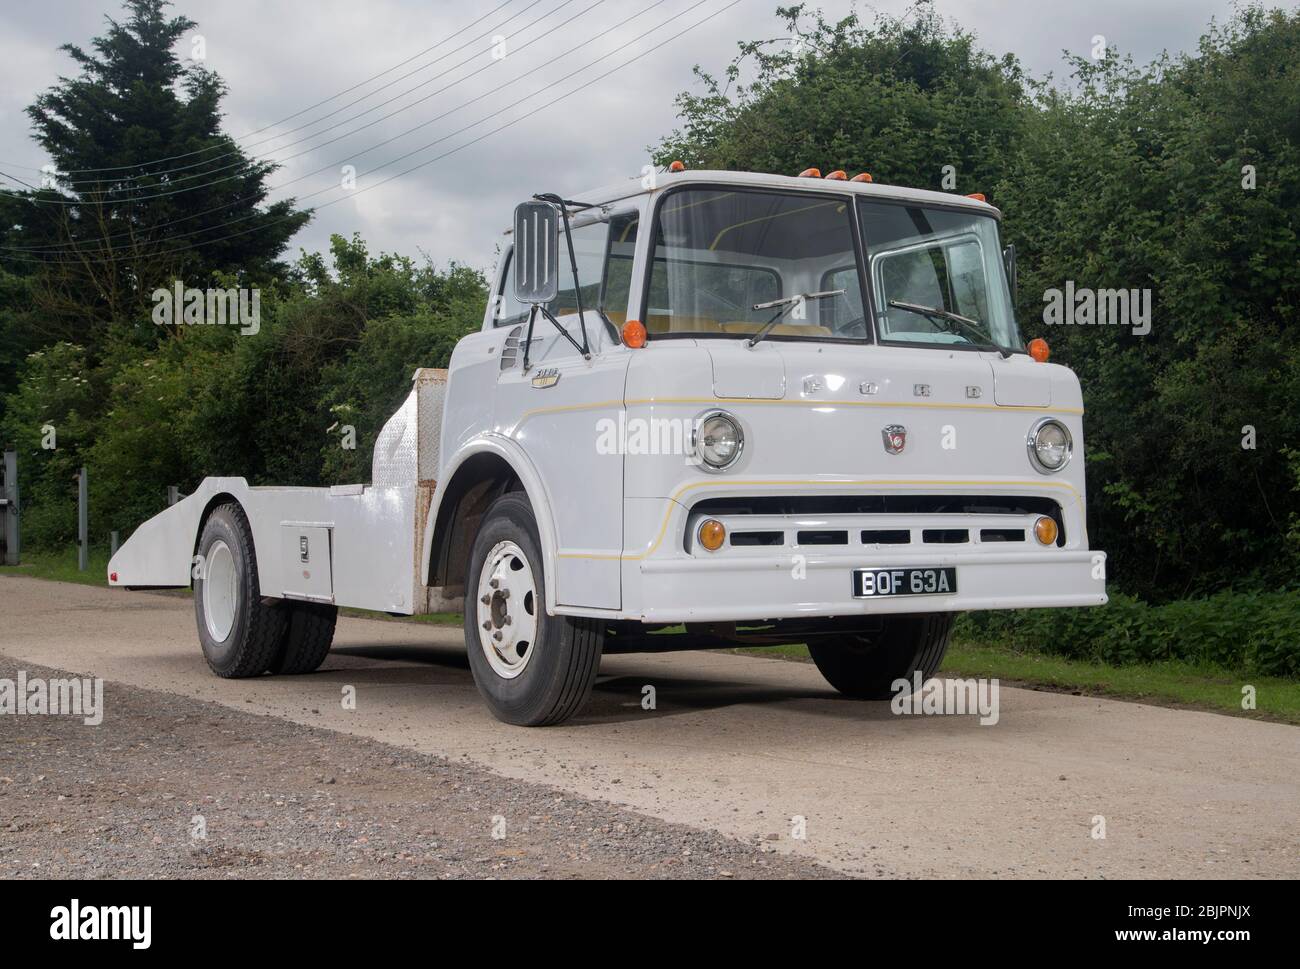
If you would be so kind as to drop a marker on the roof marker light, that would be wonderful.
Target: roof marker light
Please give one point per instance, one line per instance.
(677, 166)
(811, 173)
(837, 175)
(977, 196)
(863, 177)
(1038, 350)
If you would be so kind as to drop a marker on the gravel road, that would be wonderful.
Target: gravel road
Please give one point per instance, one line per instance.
(742, 753)
(170, 787)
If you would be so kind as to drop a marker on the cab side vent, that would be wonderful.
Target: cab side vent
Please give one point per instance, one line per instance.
(510, 349)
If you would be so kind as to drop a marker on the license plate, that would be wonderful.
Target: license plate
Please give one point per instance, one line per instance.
(877, 583)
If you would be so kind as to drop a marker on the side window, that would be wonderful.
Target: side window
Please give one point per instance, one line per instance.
(509, 311)
(617, 284)
(589, 249)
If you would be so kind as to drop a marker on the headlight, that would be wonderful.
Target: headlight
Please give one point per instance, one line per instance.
(717, 440)
(1050, 445)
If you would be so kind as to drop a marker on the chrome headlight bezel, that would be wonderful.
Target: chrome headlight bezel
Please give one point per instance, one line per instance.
(697, 451)
(1031, 444)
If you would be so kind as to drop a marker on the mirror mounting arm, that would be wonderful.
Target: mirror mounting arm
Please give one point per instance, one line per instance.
(564, 205)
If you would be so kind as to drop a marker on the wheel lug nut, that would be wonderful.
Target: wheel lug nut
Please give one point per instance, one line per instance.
(487, 624)
(495, 583)
(497, 635)
(487, 599)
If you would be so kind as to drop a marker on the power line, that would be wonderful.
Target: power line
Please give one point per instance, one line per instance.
(95, 247)
(155, 161)
(482, 137)
(244, 163)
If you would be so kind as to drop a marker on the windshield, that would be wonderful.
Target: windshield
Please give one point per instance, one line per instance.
(936, 276)
(720, 256)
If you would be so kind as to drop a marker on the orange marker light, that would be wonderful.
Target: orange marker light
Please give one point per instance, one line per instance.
(712, 534)
(837, 175)
(863, 177)
(634, 334)
(1045, 531)
(1038, 350)
(811, 173)
(677, 166)
(977, 196)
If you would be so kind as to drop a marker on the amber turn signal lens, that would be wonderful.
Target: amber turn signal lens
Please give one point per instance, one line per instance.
(861, 177)
(837, 176)
(977, 196)
(1038, 350)
(1045, 531)
(712, 534)
(634, 334)
(811, 173)
(677, 166)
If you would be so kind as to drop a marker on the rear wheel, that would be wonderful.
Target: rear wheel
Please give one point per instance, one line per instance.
(307, 637)
(240, 635)
(531, 668)
(865, 666)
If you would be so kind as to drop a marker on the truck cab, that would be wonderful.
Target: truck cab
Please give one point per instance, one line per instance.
(715, 409)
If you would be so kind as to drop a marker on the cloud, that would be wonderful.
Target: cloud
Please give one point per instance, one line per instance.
(280, 58)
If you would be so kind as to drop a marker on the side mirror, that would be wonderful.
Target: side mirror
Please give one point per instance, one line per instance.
(537, 252)
(1009, 257)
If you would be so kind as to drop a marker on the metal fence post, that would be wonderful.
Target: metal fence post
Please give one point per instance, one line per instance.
(83, 522)
(9, 508)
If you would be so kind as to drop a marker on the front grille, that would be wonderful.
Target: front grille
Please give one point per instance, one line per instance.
(875, 521)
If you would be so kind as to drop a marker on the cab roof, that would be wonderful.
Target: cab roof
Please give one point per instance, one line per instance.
(632, 187)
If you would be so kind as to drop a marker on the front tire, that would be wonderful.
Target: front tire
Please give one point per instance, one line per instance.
(865, 666)
(240, 634)
(532, 669)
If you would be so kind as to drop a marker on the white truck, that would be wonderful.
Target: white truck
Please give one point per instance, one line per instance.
(714, 409)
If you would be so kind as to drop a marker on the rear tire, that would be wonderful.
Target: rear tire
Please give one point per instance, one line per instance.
(865, 666)
(307, 638)
(240, 635)
(532, 669)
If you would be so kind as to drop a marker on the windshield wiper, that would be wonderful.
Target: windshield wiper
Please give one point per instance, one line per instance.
(964, 322)
(786, 303)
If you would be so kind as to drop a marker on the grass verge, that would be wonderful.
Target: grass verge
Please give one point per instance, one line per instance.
(1167, 683)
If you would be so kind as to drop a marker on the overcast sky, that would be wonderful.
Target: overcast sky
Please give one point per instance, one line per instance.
(280, 56)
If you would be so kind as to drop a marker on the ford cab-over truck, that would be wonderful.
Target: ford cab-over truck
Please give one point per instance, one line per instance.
(708, 409)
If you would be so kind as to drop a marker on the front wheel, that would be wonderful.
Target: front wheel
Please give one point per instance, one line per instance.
(531, 668)
(865, 666)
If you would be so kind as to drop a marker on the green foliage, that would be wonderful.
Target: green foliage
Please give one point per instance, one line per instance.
(338, 344)
(1127, 177)
(1243, 632)
(158, 191)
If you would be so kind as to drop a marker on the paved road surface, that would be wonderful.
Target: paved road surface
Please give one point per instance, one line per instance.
(741, 745)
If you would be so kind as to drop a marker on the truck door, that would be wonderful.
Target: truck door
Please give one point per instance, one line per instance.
(557, 410)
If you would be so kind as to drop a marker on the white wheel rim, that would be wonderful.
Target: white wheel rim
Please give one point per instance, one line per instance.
(220, 595)
(506, 610)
